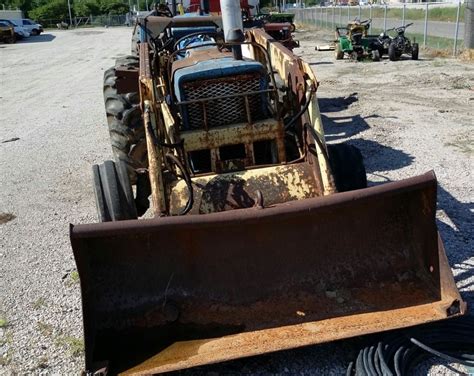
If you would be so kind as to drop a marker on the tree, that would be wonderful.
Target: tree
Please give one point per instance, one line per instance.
(53, 10)
(86, 8)
(117, 7)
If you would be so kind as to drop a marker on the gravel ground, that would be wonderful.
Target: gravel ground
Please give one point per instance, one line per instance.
(406, 117)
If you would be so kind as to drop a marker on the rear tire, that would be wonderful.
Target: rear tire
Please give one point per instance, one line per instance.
(375, 55)
(339, 53)
(392, 52)
(415, 51)
(113, 192)
(347, 166)
(124, 118)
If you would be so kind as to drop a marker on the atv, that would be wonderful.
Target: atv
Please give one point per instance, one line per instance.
(382, 42)
(401, 45)
(354, 41)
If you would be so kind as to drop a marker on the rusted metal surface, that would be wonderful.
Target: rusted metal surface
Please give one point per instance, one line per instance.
(127, 79)
(150, 124)
(281, 31)
(277, 184)
(298, 77)
(158, 292)
(233, 134)
(196, 56)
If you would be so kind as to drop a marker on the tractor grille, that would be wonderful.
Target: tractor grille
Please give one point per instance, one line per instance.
(224, 111)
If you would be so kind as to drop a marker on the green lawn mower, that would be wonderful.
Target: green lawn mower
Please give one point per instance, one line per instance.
(354, 41)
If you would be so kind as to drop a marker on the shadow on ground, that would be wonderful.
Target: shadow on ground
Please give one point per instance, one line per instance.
(37, 39)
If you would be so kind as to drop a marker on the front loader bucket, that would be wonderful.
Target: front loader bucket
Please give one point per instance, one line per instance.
(171, 293)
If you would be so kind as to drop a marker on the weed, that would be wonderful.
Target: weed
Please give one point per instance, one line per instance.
(45, 329)
(73, 278)
(43, 362)
(3, 322)
(75, 345)
(39, 303)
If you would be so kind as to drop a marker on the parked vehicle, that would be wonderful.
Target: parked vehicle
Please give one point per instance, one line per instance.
(7, 33)
(20, 31)
(251, 248)
(31, 26)
(354, 41)
(402, 45)
(382, 42)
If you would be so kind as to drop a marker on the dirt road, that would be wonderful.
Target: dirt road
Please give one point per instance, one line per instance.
(407, 117)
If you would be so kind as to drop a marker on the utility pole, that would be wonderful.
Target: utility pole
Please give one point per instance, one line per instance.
(469, 25)
(70, 14)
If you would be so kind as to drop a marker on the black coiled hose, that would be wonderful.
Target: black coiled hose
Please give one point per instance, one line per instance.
(402, 350)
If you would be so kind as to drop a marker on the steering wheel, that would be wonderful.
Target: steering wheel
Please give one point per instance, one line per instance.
(162, 10)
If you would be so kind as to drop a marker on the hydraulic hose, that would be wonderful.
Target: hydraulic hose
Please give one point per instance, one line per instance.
(303, 109)
(187, 180)
(400, 351)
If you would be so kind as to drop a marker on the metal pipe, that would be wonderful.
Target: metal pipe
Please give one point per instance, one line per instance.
(385, 18)
(174, 8)
(403, 13)
(469, 24)
(231, 17)
(333, 17)
(70, 14)
(370, 16)
(425, 30)
(456, 29)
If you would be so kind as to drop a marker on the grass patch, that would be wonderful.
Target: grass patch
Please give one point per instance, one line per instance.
(467, 55)
(464, 147)
(6, 358)
(41, 302)
(3, 322)
(73, 278)
(445, 14)
(434, 14)
(45, 329)
(43, 362)
(75, 345)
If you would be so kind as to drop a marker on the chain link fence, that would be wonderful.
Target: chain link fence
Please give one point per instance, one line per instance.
(102, 20)
(432, 25)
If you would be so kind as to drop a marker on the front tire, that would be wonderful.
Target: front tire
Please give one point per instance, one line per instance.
(339, 53)
(392, 52)
(113, 192)
(347, 166)
(375, 55)
(415, 51)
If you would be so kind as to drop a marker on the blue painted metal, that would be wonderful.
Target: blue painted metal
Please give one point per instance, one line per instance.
(180, 32)
(226, 67)
(215, 68)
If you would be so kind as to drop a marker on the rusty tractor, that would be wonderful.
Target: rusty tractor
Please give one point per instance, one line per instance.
(259, 235)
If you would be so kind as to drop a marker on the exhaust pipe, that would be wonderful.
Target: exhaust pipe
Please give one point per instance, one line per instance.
(232, 24)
